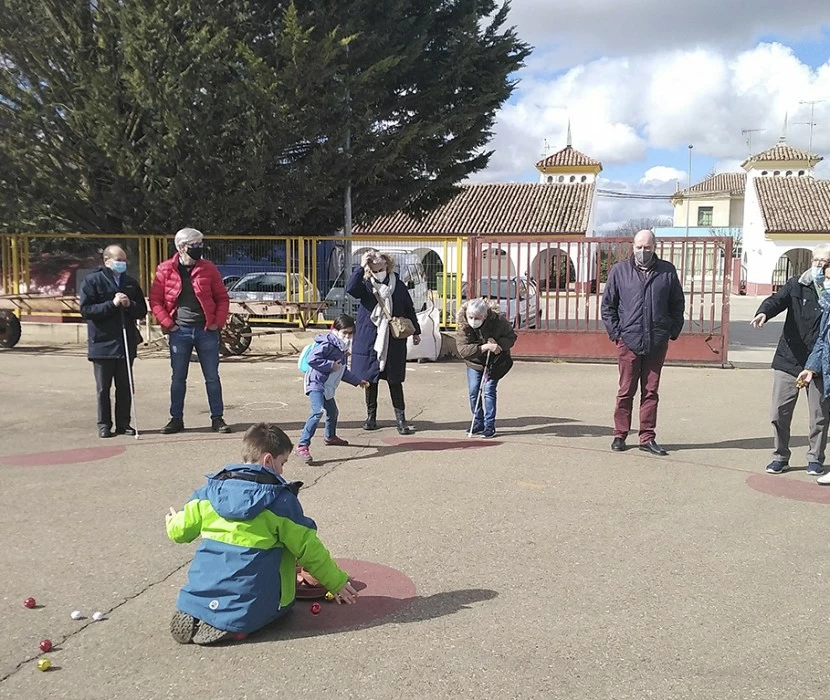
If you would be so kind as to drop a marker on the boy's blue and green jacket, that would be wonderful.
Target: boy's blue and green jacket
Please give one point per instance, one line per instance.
(243, 574)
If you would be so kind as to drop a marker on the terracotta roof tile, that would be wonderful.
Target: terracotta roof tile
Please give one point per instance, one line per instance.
(783, 152)
(568, 157)
(794, 204)
(722, 183)
(492, 209)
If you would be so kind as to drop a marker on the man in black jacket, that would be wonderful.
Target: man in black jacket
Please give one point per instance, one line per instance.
(799, 298)
(642, 309)
(111, 301)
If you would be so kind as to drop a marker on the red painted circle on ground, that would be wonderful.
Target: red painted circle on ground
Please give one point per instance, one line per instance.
(438, 444)
(791, 489)
(382, 592)
(77, 456)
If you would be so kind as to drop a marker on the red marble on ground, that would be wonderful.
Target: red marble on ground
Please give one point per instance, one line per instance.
(76, 456)
(382, 592)
(792, 489)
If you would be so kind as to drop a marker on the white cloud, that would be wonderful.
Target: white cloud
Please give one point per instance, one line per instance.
(663, 173)
(621, 108)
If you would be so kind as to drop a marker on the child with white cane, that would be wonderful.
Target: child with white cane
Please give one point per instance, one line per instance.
(484, 338)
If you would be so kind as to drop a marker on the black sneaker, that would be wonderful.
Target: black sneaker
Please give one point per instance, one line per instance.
(176, 425)
(218, 425)
(128, 430)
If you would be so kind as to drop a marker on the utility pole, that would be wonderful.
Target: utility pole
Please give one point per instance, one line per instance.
(812, 123)
(748, 133)
(688, 203)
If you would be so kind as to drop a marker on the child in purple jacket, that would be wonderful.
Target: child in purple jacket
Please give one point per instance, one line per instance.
(327, 363)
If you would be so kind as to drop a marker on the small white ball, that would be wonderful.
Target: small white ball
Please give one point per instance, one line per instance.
(77, 615)
(97, 616)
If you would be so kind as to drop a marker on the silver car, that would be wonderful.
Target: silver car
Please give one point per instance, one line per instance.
(272, 286)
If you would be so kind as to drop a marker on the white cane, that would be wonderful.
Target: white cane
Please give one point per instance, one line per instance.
(480, 393)
(133, 415)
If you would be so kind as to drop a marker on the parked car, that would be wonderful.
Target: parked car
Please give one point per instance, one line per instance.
(517, 298)
(272, 286)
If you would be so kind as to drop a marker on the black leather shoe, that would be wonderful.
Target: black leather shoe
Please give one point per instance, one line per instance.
(218, 425)
(176, 425)
(653, 448)
(105, 433)
(129, 430)
(618, 445)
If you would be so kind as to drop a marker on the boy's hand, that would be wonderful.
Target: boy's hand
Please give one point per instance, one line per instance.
(171, 514)
(364, 384)
(347, 595)
(335, 366)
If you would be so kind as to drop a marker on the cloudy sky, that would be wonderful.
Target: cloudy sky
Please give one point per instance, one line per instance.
(641, 80)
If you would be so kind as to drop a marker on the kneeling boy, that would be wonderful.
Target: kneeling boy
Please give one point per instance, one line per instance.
(254, 533)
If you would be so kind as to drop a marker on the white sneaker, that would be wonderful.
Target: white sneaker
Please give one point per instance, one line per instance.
(824, 480)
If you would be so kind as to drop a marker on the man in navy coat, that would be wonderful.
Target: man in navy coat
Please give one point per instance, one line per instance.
(642, 309)
(112, 301)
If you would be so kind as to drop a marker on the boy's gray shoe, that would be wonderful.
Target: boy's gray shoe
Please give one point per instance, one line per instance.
(183, 627)
(205, 634)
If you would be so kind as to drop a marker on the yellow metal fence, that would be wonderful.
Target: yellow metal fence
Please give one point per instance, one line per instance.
(270, 268)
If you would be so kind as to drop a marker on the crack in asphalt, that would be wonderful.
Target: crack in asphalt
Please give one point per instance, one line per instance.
(90, 621)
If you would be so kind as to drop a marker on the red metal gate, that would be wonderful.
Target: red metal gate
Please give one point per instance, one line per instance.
(551, 288)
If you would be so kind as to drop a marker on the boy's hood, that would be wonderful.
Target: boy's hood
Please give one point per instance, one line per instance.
(330, 337)
(236, 499)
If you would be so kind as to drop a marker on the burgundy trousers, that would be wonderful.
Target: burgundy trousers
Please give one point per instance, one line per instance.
(643, 371)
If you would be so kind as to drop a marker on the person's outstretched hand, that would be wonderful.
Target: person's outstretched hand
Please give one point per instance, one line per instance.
(171, 514)
(346, 595)
(758, 321)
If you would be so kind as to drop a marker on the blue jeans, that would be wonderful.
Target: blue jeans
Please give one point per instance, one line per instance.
(319, 402)
(485, 417)
(206, 343)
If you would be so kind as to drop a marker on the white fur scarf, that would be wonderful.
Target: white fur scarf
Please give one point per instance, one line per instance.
(381, 319)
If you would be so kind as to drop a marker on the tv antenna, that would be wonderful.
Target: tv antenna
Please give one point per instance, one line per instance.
(748, 133)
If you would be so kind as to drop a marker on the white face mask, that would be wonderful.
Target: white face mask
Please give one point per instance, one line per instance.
(475, 322)
(379, 276)
(347, 342)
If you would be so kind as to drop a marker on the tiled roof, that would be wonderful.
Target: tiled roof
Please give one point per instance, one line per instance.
(492, 209)
(722, 183)
(783, 152)
(568, 157)
(794, 204)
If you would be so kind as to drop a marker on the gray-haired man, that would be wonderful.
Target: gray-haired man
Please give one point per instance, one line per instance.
(799, 297)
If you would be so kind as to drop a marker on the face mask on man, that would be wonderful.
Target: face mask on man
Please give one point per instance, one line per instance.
(643, 257)
(475, 322)
(119, 266)
(194, 253)
(818, 275)
(379, 276)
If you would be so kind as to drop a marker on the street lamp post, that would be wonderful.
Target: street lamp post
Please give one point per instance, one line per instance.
(688, 203)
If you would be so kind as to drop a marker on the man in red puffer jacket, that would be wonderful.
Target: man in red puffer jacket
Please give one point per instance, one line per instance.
(190, 302)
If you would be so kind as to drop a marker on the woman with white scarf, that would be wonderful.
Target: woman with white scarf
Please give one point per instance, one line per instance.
(376, 354)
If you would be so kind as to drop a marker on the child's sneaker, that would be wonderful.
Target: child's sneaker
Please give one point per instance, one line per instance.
(815, 469)
(183, 627)
(337, 441)
(777, 467)
(303, 453)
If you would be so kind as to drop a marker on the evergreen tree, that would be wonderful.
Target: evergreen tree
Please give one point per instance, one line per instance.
(146, 115)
